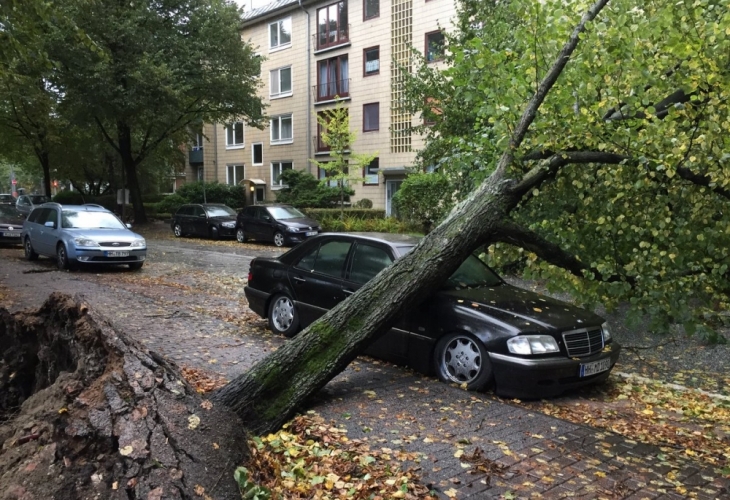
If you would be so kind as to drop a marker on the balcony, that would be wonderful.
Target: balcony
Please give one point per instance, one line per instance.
(328, 91)
(330, 38)
(195, 156)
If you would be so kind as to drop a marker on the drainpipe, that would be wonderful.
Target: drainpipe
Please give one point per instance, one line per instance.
(309, 90)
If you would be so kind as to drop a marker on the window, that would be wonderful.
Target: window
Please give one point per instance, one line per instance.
(371, 9)
(234, 174)
(197, 142)
(432, 111)
(281, 129)
(367, 262)
(201, 173)
(234, 135)
(328, 259)
(257, 153)
(277, 168)
(435, 43)
(321, 146)
(280, 34)
(371, 57)
(333, 78)
(332, 25)
(280, 82)
(371, 117)
(370, 173)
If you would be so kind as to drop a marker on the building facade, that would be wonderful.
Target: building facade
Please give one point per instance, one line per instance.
(314, 53)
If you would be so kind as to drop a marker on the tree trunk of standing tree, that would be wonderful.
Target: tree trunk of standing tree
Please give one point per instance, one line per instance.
(129, 164)
(271, 392)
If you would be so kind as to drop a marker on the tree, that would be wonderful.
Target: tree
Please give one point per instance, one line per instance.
(151, 71)
(303, 190)
(269, 393)
(634, 140)
(336, 135)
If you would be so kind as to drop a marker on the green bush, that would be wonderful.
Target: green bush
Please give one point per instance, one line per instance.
(364, 203)
(354, 224)
(305, 191)
(108, 201)
(424, 199)
(215, 192)
(170, 204)
(70, 198)
(352, 213)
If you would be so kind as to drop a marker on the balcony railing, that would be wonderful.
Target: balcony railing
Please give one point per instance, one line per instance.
(195, 156)
(329, 90)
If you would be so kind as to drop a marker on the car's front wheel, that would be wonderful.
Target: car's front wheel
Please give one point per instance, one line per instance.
(62, 260)
(177, 230)
(462, 359)
(283, 316)
(279, 239)
(241, 235)
(30, 254)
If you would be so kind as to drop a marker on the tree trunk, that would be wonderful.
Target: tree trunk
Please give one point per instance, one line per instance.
(272, 390)
(85, 412)
(45, 162)
(129, 164)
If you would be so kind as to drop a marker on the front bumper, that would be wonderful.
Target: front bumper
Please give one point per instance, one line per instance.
(227, 232)
(546, 377)
(104, 255)
(295, 238)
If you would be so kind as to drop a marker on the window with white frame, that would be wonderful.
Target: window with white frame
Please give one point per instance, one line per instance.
(234, 174)
(280, 33)
(234, 135)
(370, 172)
(197, 142)
(282, 129)
(257, 153)
(280, 82)
(278, 168)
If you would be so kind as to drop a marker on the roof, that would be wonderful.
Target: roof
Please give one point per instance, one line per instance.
(269, 8)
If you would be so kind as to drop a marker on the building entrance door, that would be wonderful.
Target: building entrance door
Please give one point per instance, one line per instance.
(391, 187)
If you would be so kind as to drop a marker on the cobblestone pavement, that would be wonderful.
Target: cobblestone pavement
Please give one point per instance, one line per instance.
(471, 445)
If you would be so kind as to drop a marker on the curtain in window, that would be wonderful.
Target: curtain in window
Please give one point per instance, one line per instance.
(344, 76)
(286, 127)
(323, 69)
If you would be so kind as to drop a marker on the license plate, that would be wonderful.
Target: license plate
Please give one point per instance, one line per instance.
(116, 254)
(589, 369)
(311, 233)
(11, 234)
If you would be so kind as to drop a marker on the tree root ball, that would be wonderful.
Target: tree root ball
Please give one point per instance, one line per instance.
(86, 412)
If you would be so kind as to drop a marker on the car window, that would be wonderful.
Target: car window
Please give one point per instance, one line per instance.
(47, 215)
(280, 213)
(328, 259)
(219, 211)
(23, 200)
(198, 211)
(80, 219)
(34, 214)
(368, 261)
(250, 212)
(473, 273)
(38, 199)
(263, 214)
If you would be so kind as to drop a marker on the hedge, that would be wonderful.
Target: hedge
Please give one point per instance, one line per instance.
(354, 213)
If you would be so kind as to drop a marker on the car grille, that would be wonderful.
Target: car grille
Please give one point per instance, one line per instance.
(114, 243)
(583, 342)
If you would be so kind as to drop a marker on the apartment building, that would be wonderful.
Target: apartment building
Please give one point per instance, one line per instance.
(313, 52)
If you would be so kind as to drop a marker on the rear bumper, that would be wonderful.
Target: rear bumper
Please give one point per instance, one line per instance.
(547, 377)
(256, 300)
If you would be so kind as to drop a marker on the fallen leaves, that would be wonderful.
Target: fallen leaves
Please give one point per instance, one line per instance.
(201, 380)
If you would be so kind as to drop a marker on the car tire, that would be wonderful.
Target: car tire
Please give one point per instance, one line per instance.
(279, 239)
(135, 266)
(461, 359)
(62, 260)
(30, 254)
(241, 235)
(283, 316)
(214, 233)
(177, 230)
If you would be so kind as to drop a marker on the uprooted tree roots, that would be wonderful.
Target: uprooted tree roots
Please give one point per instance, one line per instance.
(87, 412)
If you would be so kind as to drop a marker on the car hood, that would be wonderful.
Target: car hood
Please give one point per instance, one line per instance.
(12, 220)
(224, 218)
(299, 222)
(104, 234)
(522, 309)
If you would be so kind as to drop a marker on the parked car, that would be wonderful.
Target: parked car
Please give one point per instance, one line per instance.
(7, 199)
(209, 220)
(81, 234)
(11, 223)
(280, 224)
(476, 331)
(26, 202)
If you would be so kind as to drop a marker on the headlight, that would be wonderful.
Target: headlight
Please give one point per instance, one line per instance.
(85, 242)
(139, 243)
(606, 333)
(229, 224)
(532, 344)
(292, 229)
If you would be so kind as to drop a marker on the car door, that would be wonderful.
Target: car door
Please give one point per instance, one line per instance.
(47, 236)
(267, 224)
(182, 217)
(366, 261)
(199, 221)
(317, 278)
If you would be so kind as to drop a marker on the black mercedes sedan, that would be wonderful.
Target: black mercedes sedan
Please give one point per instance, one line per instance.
(477, 330)
(209, 220)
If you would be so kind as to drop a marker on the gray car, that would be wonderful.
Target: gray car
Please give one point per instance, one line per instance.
(81, 234)
(27, 202)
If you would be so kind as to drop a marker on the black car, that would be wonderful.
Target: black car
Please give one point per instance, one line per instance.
(281, 224)
(27, 202)
(209, 220)
(11, 224)
(476, 331)
(7, 199)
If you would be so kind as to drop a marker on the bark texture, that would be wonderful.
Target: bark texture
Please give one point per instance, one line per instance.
(85, 412)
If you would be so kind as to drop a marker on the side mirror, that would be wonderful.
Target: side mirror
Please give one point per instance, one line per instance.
(129, 226)
(50, 224)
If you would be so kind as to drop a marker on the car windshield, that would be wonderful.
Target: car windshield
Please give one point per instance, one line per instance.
(81, 219)
(219, 211)
(280, 213)
(38, 199)
(6, 198)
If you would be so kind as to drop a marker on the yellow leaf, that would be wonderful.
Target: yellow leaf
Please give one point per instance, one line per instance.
(126, 451)
(459, 453)
(537, 309)
(451, 493)
(600, 474)
(63, 410)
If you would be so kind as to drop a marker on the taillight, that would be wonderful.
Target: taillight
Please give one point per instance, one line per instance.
(250, 276)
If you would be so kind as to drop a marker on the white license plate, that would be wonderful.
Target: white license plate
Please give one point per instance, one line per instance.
(589, 369)
(117, 254)
(11, 234)
(311, 233)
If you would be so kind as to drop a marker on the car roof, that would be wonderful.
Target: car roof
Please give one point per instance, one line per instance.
(395, 239)
(89, 207)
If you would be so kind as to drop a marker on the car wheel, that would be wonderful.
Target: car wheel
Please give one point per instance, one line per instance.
(279, 239)
(214, 234)
(462, 359)
(283, 316)
(177, 230)
(135, 266)
(62, 260)
(28, 249)
(240, 235)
